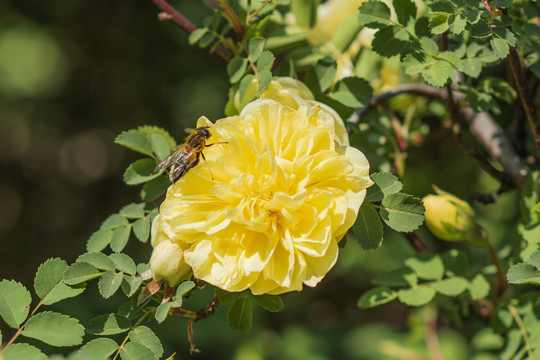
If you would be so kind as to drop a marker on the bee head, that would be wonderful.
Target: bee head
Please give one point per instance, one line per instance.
(204, 131)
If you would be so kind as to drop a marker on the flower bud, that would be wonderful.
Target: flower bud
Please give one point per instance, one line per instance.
(452, 219)
(167, 263)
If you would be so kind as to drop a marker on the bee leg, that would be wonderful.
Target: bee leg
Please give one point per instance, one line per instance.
(221, 142)
(212, 176)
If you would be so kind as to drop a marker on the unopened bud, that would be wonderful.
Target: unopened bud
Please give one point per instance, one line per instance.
(167, 263)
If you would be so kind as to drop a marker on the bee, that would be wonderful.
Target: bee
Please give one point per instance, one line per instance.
(187, 155)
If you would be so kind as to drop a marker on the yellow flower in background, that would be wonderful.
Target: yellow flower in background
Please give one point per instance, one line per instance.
(284, 192)
(330, 16)
(293, 93)
(452, 219)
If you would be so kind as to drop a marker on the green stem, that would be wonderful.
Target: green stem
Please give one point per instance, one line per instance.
(253, 14)
(235, 22)
(127, 336)
(522, 329)
(21, 328)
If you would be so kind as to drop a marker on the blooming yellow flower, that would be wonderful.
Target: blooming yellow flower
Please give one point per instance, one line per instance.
(282, 193)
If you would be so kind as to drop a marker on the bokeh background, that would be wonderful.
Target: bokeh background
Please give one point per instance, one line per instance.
(73, 75)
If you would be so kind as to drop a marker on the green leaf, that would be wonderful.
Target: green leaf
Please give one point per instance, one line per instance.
(154, 188)
(100, 348)
(534, 259)
(479, 287)
(458, 25)
(375, 297)
(239, 316)
(14, 302)
(160, 146)
(439, 24)
(255, 48)
(197, 35)
(426, 266)
(22, 351)
(416, 296)
(353, 92)
(124, 263)
(384, 184)
(131, 284)
(135, 141)
(451, 287)
(226, 297)
(243, 87)
(321, 76)
(99, 240)
(472, 67)
(98, 259)
(305, 12)
(80, 272)
(141, 229)
(132, 211)
(503, 3)
(184, 288)
(429, 45)
(162, 311)
(368, 228)
(437, 73)
(523, 274)
(402, 212)
(499, 88)
(144, 336)
(109, 282)
(266, 61)
(452, 58)
(54, 329)
(272, 303)
(395, 277)
(149, 130)
(390, 41)
(264, 77)
(236, 68)
(500, 47)
(119, 238)
(109, 324)
(136, 351)
(140, 172)
(114, 221)
(49, 284)
(405, 9)
(374, 14)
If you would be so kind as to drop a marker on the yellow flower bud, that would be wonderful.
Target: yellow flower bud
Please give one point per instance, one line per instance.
(167, 263)
(452, 219)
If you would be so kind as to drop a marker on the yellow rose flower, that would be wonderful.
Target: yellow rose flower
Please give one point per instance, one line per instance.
(282, 195)
(293, 93)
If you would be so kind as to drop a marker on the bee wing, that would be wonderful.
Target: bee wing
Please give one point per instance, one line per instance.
(169, 160)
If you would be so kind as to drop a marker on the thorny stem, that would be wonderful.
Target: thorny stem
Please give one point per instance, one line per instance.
(185, 24)
(199, 314)
(524, 95)
(522, 329)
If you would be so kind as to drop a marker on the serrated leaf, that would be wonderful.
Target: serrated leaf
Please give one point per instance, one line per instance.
(136, 351)
(452, 58)
(439, 24)
(255, 48)
(368, 228)
(458, 25)
(99, 240)
(54, 329)
(154, 188)
(98, 259)
(100, 348)
(390, 41)
(244, 85)
(479, 287)
(131, 284)
(140, 172)
(132, 211)
(266, 61)
(374, 13)
(503, 3)
(499, 88)
(451, 287)
(426, 267)
(141, 229)
(264, 77)
(160, 146)
(124, 263)
(240, 314)
(80, 272)
(162, 311)
(534, 259)
(150, 130)
(375, 297)
(49, 284)
(236, 68)
(135, 141)
(384, 184)
(22, 351)
(14, 302)
(500, 47)
(119, 238)
(416, 296)
(429, 45)
(405, 9)
(437, 73)
(321, 76)
(109, 282)
(144, 336)
(472, 67)
(109, 324)
(402, 212)
(184, 288)
(523, 274)
(353, 92)
(272, 303)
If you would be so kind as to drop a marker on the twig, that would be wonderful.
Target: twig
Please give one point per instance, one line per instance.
(416, 243)
(235, 22)
(253, 14)
(185, 24)
(522, 329)
(502, 284)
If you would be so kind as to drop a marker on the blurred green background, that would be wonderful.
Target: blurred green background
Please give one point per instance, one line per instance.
(73, 75)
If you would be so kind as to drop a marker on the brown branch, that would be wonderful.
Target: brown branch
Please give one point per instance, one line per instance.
(185, 24)
(235, 22)
(524, 95)
(416, 243)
